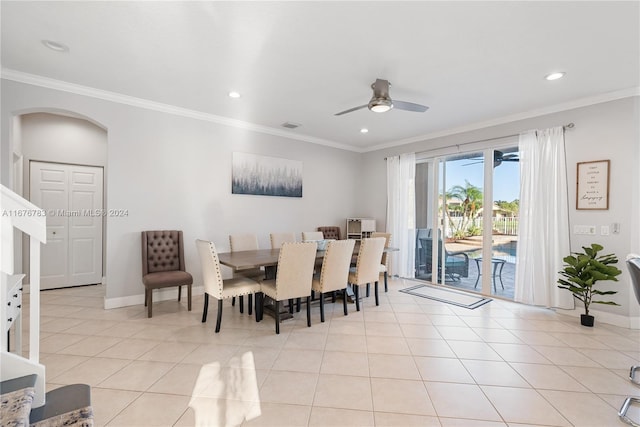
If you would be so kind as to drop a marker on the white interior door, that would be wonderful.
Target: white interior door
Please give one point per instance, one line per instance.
(71, 195)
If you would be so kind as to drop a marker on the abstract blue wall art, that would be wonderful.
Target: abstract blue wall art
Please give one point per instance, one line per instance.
(266, 176)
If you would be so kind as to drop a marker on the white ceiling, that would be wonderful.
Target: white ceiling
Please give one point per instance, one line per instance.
(472, 62)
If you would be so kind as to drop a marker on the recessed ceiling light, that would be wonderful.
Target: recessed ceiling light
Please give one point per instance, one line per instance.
(555, 76)
(58, 47)
(364, 130)
(234, 94)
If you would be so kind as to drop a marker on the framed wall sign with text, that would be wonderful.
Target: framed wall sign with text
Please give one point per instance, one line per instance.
(593, 185)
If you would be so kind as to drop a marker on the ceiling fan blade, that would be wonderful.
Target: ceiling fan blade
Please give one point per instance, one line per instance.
(409, 106)
(351, 110)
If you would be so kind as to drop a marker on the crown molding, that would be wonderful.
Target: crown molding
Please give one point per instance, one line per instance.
(582, 102)
(35, 80)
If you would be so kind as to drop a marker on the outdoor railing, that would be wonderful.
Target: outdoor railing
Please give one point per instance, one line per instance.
(504, 225)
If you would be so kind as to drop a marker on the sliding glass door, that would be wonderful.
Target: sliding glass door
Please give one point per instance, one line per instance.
(466, 213)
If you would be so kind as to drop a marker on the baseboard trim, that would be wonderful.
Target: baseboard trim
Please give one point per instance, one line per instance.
(629, 322)
(158, 295)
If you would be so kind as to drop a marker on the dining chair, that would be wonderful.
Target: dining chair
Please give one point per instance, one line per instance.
(334, 274)
(330, 232)
(308, 236)
(293, 277)
(367, 269)
(245, 242)
(633, 264)
(277, 239)
(215, 286)
(384, 266)
(163, 264)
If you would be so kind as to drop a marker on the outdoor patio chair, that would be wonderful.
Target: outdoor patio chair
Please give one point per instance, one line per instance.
(456, 264)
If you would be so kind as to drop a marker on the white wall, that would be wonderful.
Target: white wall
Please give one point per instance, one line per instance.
(174, 172)
(602, 131)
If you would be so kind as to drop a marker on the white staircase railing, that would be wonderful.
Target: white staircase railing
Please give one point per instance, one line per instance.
(17, 213)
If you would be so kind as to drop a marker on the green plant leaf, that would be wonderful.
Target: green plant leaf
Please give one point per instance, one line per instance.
(604, 302)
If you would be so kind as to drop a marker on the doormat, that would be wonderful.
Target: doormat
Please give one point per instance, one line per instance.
(448, 296)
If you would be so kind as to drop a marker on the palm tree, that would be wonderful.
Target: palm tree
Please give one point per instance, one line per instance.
(471, 198)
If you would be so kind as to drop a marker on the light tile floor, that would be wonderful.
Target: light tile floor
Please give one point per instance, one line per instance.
(408, 362)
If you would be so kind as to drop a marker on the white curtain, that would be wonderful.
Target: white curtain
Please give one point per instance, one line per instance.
(543, 238)
(401, 213)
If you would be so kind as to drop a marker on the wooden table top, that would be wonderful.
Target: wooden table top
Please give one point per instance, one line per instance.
(241, 260)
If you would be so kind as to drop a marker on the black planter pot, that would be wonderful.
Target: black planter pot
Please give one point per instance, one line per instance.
(586, 320)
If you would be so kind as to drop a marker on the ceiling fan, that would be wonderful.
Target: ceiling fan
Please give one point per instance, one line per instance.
(381, 101)
(498, 158)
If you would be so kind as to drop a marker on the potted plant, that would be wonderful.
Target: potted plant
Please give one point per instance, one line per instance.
(582, 271)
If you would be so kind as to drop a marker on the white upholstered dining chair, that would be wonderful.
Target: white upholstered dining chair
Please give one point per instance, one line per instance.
(367, 269)
(308, 236)
(384, 265)
(216, 287)
(334, 274)
(293, 277)
(245, 242)
(277, 239)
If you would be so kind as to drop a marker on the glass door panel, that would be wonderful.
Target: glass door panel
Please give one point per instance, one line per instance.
(448, 243)
(463, 196)
(504, 220)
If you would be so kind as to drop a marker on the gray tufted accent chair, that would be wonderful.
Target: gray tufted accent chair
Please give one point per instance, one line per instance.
(330, 232)
(163, 264)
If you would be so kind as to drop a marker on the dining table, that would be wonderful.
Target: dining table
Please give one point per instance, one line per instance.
(268, 259)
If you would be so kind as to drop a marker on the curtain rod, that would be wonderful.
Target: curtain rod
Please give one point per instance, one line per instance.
(565, 127)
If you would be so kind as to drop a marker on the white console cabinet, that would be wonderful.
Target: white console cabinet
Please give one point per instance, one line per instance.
(359, 228)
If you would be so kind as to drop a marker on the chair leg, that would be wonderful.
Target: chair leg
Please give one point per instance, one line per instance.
(277, 313)
(298, 305)
(375, 291)
(241, 304)
(219, 318)
(233, 301)
(179, 292)
(149, 302)
(333, 297)
(146, 291)
(206, 307)
(368, 287)
(386, 288)
(250, 302)
(258, 306)
(356, 291)
(344, 301)
(309, 311)
(290, 305)
(321, 307)
(189, 297)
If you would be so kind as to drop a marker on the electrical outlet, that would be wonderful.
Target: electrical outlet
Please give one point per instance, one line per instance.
(604, 230)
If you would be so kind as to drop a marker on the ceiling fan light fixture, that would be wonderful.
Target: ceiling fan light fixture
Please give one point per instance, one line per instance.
(380, 105)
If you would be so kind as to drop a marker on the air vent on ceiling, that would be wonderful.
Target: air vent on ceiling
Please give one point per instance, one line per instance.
(290, 125)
